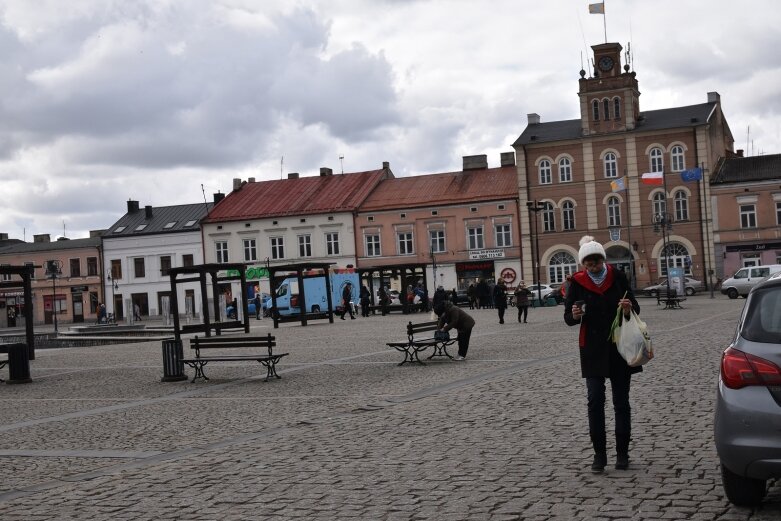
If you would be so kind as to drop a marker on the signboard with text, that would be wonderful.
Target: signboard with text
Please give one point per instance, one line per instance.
(497, 253)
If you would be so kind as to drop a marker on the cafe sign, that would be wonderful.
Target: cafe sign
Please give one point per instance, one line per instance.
(497, 253)
(252, 273)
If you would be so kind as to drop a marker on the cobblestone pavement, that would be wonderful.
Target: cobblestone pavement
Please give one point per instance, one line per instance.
(347, 434)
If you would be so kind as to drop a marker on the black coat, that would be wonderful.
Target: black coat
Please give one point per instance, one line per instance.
(598, 353)
(500, 296)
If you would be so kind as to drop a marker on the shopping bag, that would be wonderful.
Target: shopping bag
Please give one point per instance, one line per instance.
(632, 339)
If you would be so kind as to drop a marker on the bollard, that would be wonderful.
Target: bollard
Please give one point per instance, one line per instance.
(18, 364)
(173, 368)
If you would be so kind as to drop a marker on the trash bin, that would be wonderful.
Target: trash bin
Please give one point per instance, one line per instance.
(18, 364)
(173, 368)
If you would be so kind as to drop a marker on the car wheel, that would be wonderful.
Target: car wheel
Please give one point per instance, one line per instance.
(315, 309)
(742, 491)
(689, 292)
(732, 293)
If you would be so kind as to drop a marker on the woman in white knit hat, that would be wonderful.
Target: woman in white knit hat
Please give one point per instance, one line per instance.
(592, 299)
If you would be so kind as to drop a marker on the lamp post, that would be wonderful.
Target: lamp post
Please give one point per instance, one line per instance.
(54, 268)
(114, 286)
(663, 223)
(534, 207)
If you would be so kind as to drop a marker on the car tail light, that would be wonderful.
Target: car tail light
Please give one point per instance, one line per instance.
(294, 301)
(739, 369)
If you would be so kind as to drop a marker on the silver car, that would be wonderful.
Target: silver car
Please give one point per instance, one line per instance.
(747, 425)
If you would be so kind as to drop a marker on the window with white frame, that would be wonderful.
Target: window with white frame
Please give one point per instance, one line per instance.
(595, 110)
(613, 211)
(675, 256)
(545, 172)
(474, 236)
(561, 265)
(221, 249)
(611, 165)
(304, 245)
(404, 243)
(617, 108)
(568, 215)
(548, 218)
(778, 213)
(748, 216)
(681, 201)
(250, 250)
(372, 244)
(332, 243)
(677, 159)
(437, 241)
(657, 160)
(659, 204)
(504, 237)
(277, 247)
(565, 170)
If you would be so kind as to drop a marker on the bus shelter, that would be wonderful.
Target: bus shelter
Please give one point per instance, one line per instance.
(304, 270)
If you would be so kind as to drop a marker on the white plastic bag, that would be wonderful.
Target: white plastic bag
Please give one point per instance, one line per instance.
(633, 340)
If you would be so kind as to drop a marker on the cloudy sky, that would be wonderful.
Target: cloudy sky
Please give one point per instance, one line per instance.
(102, 101)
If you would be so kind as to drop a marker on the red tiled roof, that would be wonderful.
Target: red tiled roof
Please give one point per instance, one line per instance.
(441, 189)
(302, 196)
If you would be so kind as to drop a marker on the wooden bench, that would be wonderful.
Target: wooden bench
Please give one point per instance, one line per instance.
(268, 360)
(413, 345)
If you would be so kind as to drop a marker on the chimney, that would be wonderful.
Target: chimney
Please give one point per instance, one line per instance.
(477, 162)
(292, 175)
(96, 233)
(218, 197)
(714, 97)
(236, 183)
(534, 119)
(507, 158)
(739, 152)
(147, 212)
(132, 206)
(324, 171)
(250, 179)
(44, 237)
(386, 165)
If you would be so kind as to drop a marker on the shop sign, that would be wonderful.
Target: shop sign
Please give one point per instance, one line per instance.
(474, 266)
(252, 273)
(79, 289)
(508, 275)
(754, 247)
(497, 253)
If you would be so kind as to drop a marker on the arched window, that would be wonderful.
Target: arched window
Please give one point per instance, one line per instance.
(613, 211)
(617, 107)
(659, 204)
(545, 172)
(595, 109)
(657, 160)
(675, 255)
(548, 218)
(611, 165)
(565, 170)
(677, 159)
(606, 108)
(568, 215)
(561, 265)
(681, 206)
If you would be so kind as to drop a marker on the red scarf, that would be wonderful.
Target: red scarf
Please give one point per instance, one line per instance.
(584, 280)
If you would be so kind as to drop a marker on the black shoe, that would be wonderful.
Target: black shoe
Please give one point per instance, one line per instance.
(342, 318)
(600, 461)
(501, 321)
(352, 318)
(622, 461)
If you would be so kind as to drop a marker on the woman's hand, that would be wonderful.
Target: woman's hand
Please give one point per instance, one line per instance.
(626, 304)
(577, 312)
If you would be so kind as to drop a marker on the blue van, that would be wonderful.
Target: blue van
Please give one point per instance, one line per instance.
(314, 290)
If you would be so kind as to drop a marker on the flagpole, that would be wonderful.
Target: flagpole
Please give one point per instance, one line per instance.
(629, 233)
(604, 19)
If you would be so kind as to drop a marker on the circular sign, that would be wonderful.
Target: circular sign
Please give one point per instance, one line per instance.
(508, 275)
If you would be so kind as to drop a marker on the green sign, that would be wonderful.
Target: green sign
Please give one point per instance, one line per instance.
(252, 273)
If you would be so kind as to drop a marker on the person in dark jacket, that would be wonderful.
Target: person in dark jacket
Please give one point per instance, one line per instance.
(347, 295)
(440, 296)
(453, 317)
(522, 295)
(592, 299)
(365, 297)
(384, 299)
(500, 299)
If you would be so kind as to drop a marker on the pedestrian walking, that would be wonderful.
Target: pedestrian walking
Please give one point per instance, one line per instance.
(522, 294)
(453, 317)
(471, 295)
(365, 297)
(136, 312)
(347, 295)
(256, 301)
(500, 299)
(440, 296)
(592, 299)
(384, 299)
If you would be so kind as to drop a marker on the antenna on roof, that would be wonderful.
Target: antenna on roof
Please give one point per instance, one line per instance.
(341, 160)
(281, 166)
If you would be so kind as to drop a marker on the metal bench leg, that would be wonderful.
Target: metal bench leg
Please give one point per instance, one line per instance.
(271, 369)
(198, 366)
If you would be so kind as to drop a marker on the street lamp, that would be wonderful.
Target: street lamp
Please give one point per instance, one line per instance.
(663, 223)
(114, 286)
(534, 207)
(53, 269)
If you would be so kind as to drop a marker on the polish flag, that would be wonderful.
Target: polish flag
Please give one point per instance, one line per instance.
(654, 178)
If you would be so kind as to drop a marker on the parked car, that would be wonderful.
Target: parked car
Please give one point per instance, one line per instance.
(546, 291)
(691, 286)
(393, 294)
(264, 298)
(746, 278)
(748, 402)
(461, 297)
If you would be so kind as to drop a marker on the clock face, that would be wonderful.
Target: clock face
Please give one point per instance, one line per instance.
(606, 63)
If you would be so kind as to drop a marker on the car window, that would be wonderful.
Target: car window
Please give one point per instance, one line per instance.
(763, 319)
(760, 272)
(740, 274)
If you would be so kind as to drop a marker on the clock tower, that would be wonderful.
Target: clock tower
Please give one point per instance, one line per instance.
(609, 100)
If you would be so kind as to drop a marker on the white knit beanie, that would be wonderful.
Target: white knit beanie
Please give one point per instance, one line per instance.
(588, 246)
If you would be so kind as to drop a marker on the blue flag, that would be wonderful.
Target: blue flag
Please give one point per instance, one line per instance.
(692, 174)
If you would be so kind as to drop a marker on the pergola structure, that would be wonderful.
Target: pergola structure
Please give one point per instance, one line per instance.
(199, 274)
(26, 273)
(302, 270)
(408, 273)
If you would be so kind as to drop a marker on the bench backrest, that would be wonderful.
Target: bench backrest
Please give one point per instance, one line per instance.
(421, 327)
(223, 342)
